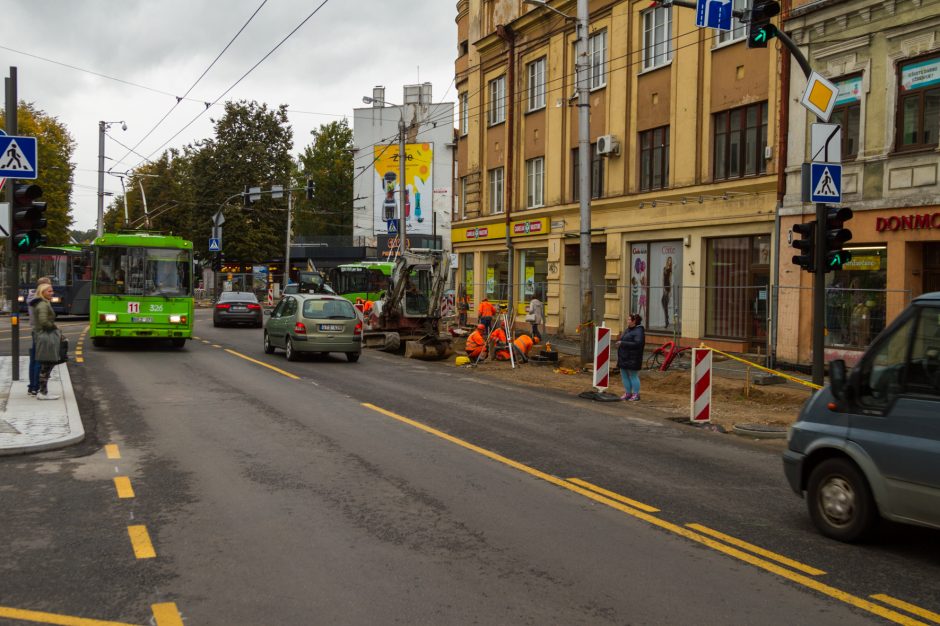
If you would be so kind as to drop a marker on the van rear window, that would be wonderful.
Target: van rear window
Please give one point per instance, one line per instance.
(329, 309)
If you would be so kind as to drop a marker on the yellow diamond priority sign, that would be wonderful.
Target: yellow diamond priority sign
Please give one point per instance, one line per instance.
(820, 96)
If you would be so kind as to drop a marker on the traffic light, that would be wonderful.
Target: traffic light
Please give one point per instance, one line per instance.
(28, 218)
(836, 236)
(309, 189)
(217, 262)
(806, 244)
(759, 28)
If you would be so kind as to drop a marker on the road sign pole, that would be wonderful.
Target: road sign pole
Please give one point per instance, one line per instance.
(819, 297)
(13, 287)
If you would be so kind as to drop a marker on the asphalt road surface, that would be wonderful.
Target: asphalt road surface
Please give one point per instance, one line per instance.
(238, 488)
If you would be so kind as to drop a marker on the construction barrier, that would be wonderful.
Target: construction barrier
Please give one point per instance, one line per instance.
(601, 358)
(270, 296)
(794, 379)
(701, 385)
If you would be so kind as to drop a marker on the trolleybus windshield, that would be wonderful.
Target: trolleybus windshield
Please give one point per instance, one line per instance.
(143, 271)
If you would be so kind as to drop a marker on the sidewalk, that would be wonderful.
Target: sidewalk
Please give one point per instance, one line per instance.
(31, 425)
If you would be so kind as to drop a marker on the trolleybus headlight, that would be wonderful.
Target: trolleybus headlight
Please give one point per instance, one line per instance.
(177, 319)
(107, 317)
(20, 299)
(56, 300)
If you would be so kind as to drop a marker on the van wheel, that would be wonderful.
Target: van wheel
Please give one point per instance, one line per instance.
(289, 351)
(98, 342)
(268, 348)
(352, 357)
(840, 501)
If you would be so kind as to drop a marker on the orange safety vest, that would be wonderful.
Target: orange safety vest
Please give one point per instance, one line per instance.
(367, 306)
(487, 309)
(499, 336)
(524, 343)
(475, 344)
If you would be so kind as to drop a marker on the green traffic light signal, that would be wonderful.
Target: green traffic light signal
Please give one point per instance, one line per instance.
(28, 218)
(759, 28)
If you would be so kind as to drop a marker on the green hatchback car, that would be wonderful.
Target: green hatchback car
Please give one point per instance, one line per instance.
(314, 323)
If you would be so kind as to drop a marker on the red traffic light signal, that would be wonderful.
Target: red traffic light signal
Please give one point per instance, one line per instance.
(28, 218)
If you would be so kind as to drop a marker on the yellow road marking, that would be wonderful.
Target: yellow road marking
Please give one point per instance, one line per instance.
(215, 345)
(773, 568)
(79, 360)
(206, 341)
(263, 364)
(614, 496)
(779, 558)
(140, 540)
(112, 451)
(910, 608)
(123, 486)
(166, 614)
(53, 618)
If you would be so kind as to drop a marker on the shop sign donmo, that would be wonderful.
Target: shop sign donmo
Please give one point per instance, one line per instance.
(924, 221)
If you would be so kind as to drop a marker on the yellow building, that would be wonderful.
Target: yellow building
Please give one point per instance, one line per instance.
(683, 174)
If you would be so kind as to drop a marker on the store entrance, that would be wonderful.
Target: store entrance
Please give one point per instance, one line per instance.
(758, 296)
(931, 256)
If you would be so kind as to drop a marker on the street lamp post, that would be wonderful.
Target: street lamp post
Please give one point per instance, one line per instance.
(402, 226)
(582, 67)
(102, 127)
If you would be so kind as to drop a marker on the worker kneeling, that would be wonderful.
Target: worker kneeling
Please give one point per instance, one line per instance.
(476, 344)
(521, 347)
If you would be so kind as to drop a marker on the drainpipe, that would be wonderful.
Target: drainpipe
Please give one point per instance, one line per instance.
(506, 34)
(782, 143)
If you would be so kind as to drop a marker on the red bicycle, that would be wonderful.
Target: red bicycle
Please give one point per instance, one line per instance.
(669, 354)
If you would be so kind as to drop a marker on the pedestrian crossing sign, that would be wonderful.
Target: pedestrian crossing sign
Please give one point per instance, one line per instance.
(825, 182)
(214, 245)
(18, 157)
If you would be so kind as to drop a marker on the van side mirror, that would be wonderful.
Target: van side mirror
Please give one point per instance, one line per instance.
(837, 380)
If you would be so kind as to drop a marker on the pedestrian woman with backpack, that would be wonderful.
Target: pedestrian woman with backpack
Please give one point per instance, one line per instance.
(630, 356)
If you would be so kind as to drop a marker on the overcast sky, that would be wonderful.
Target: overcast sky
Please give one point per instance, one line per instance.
(321, 72)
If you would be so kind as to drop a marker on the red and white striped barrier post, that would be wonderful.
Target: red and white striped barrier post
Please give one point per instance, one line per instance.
(270, 295)
(701, 385)
(601, 358)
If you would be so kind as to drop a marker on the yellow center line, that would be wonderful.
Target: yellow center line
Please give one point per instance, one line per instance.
(910, 608)
(112, 451)
(773, 568)
(215, 345)
(614, 496)
(54, 618)
(140, 540)
(779, 558)
(123, 486)
(263, 364)
(166, 614)
(79, 359)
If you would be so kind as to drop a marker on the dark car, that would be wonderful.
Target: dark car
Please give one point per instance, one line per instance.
(238, 307)
(868, 445)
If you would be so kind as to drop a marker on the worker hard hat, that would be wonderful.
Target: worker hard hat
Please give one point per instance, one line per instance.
(461, 360)
(481, 327)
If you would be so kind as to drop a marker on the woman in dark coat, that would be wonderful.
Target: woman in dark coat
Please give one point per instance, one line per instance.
(630, 356)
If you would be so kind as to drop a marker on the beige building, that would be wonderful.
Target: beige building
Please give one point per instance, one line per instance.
(885, 59)
(683, 175)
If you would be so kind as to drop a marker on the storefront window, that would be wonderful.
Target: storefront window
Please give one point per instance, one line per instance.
(466, 273)
(736, 288)
(533, 274)
(496, 275)
(656, 283)
(855, 299)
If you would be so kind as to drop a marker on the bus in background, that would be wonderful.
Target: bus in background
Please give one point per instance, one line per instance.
(68, 267)
(142, 288)
(367, 279)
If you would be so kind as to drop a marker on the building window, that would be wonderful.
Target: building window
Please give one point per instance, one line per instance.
(855, 299)
(847, 113)
(497, 104)
(740, 137)
(657, 37)
(496, 190)
(654, 158)
(597, 59)
(738, 30)
(536, 85)
(597, 174)
(464, 113)
(656, 283)
(466, 273)
(737, 284)
(918, 104)
(533, 274)
(535, 182)
(463, 48)
(496, 275)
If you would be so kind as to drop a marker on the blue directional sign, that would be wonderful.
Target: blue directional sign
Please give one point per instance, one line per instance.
(825, 182)
(392, 226)
(713, 14)
(214, 245)
(18, 157)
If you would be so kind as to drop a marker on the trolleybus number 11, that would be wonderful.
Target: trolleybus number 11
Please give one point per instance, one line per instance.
(133, 307)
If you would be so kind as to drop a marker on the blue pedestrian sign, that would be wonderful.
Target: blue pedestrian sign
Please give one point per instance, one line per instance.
(713, 14)
(18, 157)
(825, 182)
(392, 226)
(214, 245)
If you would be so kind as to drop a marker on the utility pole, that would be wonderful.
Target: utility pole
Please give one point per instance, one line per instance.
(101, 127)
(584, 185)
(290, 209)
(402, 227)
(13, 275)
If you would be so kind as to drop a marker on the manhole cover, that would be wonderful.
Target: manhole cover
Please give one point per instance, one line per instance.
(761, 431)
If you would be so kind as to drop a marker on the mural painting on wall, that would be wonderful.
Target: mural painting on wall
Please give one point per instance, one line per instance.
(639, 281)
(665, 270)
(419, 185)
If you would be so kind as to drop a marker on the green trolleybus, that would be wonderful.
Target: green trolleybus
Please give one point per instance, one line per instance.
(142, 288)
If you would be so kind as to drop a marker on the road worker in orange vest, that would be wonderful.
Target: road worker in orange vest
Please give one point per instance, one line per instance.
(476, 344)
(523, 344)
(498, 337)
(486, 312)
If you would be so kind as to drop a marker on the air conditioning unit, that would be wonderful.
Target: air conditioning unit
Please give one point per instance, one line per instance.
(608, 145)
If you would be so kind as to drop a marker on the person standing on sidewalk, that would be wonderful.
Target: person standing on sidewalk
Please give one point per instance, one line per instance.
(44, 320)
(31, 299)
(630, 356)
(536, 316)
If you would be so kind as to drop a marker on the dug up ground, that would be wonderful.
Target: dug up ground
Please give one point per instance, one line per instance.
(735, 398)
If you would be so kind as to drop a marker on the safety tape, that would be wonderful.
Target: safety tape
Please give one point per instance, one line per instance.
(765, 369)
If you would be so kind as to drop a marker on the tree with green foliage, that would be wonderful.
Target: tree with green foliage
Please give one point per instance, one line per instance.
(55, 147)
(328, 161)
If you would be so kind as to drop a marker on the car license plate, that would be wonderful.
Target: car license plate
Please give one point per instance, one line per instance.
(331, 328)
(142, 319)
(237, 307)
